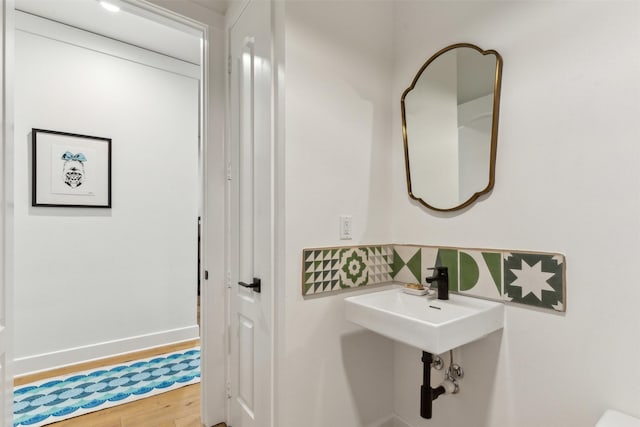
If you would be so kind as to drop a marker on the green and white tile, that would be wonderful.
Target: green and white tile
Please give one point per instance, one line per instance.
(429, 257)
(332, 269)
(480, 273)
(379, 264)
(535, 279)
(439, 257)
(353, 269)
(320, 270)
(407, 264)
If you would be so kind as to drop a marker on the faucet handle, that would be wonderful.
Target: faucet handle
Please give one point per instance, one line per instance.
(440, 270)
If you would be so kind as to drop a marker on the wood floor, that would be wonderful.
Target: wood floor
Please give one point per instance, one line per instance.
(176, 408)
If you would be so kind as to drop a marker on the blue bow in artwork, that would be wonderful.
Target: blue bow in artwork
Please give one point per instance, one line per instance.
(77, 157)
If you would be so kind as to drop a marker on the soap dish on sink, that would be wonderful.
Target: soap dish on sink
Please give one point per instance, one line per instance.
(418, 292)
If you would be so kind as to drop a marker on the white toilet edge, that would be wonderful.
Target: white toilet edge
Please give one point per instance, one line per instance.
(613, 418)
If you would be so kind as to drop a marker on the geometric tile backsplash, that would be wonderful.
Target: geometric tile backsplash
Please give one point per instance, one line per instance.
(331, 269)
(529, 278)
(535, 279)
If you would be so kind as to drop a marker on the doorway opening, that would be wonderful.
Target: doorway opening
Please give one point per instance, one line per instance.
(93, 282)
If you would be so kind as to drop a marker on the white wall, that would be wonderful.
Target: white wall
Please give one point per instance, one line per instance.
(336, 156)
(93, 282)
(566, 180)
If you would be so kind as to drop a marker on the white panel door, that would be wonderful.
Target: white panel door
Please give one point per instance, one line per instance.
(251, 219)
(6, 376)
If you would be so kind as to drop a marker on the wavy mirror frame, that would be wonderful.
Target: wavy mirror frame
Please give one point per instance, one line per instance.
(494, 124)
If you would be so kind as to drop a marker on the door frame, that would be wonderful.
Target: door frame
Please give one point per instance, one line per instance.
(6, 215)
(212, 116)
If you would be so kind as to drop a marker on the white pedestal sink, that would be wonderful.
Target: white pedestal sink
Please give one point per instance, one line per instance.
(429, 324)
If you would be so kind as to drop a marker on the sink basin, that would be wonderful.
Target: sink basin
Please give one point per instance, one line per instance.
(432, 325)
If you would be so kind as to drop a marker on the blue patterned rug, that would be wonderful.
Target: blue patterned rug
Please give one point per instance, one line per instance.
(56, 399)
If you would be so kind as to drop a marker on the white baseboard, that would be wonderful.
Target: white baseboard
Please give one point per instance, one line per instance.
(391, 421)
(398, 422)
(384, 422)
(71, 356)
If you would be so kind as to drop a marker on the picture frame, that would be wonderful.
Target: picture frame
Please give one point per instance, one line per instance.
(70, 170)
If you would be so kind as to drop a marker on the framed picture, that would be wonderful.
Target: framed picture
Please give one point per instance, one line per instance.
(70, 170)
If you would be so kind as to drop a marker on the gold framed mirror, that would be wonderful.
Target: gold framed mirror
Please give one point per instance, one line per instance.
(450, 127)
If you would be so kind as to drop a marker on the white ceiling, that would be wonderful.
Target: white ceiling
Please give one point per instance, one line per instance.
(129, 25)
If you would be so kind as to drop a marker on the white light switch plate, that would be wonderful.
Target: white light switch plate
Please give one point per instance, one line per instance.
(346, 227)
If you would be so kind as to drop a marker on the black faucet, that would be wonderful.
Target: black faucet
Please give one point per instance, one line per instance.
(441, 277)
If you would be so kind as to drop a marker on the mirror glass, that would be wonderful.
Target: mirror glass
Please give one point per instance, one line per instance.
(449, 123)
